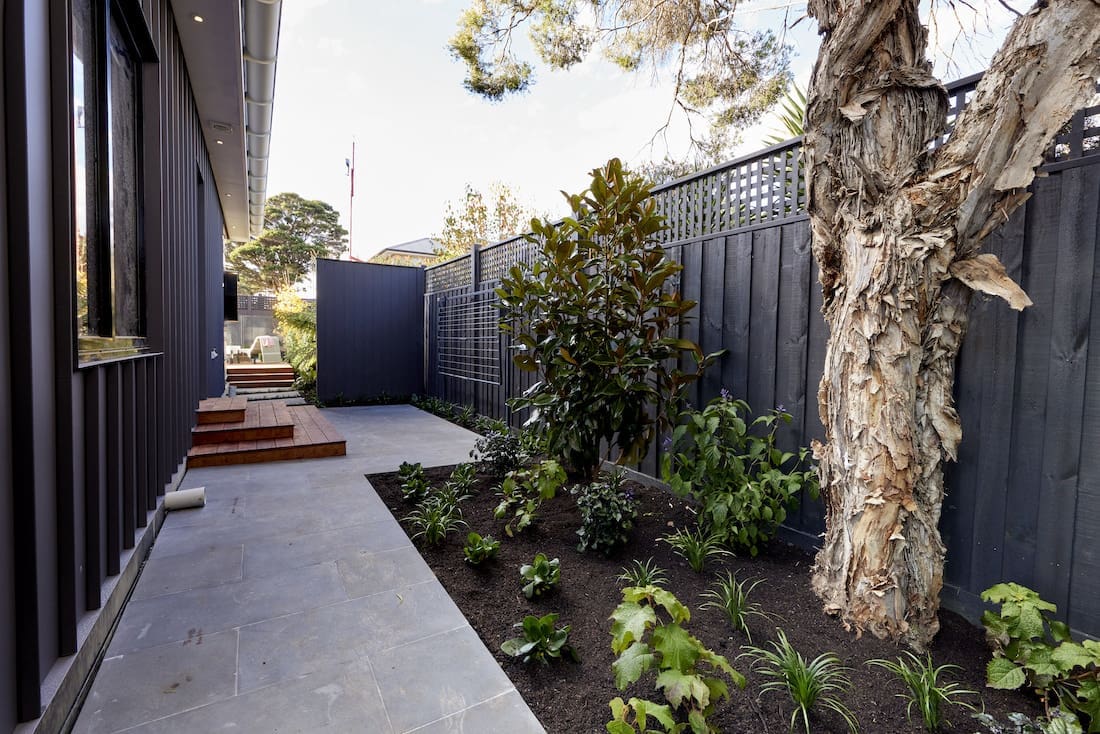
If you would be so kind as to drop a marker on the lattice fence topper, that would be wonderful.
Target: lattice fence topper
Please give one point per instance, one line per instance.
(765, 187)
(468, 336)
(498, 259)
(451, 274)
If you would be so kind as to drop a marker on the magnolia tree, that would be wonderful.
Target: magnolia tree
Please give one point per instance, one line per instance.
(897, 232)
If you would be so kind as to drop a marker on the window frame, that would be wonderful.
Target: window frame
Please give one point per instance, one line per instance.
(128, 17)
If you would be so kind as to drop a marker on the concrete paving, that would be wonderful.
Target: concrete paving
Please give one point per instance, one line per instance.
(294, 602)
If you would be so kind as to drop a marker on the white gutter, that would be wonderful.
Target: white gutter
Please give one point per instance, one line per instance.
(260, 21)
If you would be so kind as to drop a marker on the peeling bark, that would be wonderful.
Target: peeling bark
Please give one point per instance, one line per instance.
(897, 229)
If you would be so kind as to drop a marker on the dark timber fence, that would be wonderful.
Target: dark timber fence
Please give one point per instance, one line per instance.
(1024, 499)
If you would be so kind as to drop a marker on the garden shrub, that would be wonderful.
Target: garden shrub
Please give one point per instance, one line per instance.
(647, 633)
(480, 549)
(540, 575)
(499, 451)
(296, 322)
(743, 483)
(596, 315)
(607, 514)
(540, 640)
(523, 492)
(414, 485)
(1031, 647)
(434, 519)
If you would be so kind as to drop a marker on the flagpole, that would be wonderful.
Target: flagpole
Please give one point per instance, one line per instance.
(351, 201)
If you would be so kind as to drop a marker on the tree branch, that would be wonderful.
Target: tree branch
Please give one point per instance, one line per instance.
(1047, 66)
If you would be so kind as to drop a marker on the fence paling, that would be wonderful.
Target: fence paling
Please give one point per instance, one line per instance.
(742, 233)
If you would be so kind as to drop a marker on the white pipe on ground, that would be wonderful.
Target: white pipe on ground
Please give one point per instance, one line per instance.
(185, 499)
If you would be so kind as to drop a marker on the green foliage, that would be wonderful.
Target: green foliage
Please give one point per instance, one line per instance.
(1030, 646)
(608, 513)
(296, 324)
(792, 116)
(540, 640)
(743, 483)
(921, 676)
(434, 519)
(414, 485)
(523, 492)
(499, 452)
(647, 633)
(596, 316)
(696, 547)
(645, 573)
(296, 232)
(540, 576)
(731, 597)
(480, 219)
(1058, 723)
(463, 476)
(480, 549)
(725, 74)
(452, 493)
(807, 685)
(633, 717)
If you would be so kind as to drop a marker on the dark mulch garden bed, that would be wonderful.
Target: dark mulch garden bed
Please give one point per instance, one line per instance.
(572, 698)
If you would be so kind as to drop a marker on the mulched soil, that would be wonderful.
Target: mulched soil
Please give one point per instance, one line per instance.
(572, 698)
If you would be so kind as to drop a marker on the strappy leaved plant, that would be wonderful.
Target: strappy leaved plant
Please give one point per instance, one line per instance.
(643, 573)
(731, 597)
(696, 546)
(807, 685)
(925, 691)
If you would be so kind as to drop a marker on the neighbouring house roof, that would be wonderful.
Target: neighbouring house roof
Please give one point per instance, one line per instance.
(422, 246)
(235, 109)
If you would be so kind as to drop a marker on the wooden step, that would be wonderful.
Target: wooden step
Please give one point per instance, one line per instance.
(220, 410)
(246, 369)
(272, 382)
(261, 421)
(249, 376)
(314, 437)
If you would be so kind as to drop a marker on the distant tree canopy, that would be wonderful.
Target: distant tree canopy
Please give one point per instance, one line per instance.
(481, 219)
(296, 232)
(724, 75)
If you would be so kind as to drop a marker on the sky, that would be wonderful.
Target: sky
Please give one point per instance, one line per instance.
(378, 72)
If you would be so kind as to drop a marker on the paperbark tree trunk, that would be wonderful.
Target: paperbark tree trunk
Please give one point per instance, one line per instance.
(897, 228)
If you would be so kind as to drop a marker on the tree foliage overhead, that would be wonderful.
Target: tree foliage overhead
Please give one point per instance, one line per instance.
(297, 231)
(481, 219)
(723, 73)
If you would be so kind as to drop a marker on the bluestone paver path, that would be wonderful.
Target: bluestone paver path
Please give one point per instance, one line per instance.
(294, 602)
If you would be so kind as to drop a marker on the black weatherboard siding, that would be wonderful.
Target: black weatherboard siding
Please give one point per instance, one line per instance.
(370, 326)
(87, 448)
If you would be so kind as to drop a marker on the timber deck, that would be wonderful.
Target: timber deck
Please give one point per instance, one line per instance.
(268, 430)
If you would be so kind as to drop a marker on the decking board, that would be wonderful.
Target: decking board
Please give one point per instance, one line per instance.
(268, 431)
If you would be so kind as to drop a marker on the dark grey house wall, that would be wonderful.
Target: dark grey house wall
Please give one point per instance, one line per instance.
(1023, 500)
(370, 327)
(214, 309)
(7, 565)
(86, 450)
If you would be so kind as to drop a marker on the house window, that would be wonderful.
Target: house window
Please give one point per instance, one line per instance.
(107, 247)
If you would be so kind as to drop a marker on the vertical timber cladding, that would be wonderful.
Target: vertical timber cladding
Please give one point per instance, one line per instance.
(7, 563)
(370, 327)
(88, 447)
